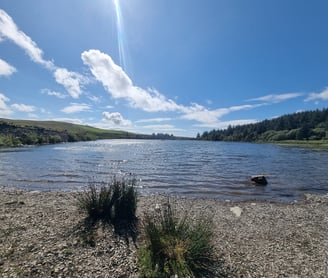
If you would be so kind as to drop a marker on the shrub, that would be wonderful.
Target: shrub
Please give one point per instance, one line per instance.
(176, 246)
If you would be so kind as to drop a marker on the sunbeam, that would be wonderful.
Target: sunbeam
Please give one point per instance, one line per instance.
(120, 34)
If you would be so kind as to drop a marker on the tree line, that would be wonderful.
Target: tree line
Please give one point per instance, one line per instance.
(308, 125)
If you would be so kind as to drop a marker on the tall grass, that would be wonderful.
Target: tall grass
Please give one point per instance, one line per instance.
(176, 246)
(124, 199)
(114, 202)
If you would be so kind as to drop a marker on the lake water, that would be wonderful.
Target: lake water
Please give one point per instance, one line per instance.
(185, 168)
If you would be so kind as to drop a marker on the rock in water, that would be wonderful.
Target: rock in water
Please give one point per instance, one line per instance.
(259, 179)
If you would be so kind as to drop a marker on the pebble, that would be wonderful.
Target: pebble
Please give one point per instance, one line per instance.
(44, 237)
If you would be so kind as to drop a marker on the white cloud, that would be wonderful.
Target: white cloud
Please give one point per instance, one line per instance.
(94, 99)
(120, 86)
(23, 107)
(76, 108)
(53, 93)
(10, 31)
(71, 81)
(6, 69)
(201, 114)
(211, 117)
(276, 98)
(4, 109)
(116, 118)
(162, 128)
(225, 124)
(154, 120)
(318, 96)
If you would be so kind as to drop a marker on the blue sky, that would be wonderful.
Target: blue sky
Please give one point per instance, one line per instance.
(177, 67)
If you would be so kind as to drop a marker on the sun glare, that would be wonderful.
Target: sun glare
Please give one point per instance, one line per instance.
(120, 33)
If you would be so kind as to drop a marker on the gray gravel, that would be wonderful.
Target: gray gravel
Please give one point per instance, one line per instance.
(41, 235)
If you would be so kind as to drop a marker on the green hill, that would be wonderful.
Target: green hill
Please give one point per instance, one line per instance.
(308, 126)
(25, 132)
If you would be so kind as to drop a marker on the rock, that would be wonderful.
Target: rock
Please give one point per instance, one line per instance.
(259, 179)
(236, 211)
(157, 207)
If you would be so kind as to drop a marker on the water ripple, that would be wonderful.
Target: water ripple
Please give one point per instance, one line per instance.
(188, 168)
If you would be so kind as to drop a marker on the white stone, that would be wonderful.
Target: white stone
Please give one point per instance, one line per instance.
(236, 211)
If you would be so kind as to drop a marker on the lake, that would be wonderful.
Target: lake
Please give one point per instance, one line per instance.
(185, 168)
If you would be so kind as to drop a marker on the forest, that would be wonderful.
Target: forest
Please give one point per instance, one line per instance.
(301, 126)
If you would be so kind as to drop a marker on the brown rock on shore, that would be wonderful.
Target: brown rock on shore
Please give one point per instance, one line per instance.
(41, 235)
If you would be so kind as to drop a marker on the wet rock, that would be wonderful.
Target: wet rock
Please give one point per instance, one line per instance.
(259, 180)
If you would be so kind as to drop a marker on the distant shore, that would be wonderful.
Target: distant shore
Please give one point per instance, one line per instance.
(40, 236)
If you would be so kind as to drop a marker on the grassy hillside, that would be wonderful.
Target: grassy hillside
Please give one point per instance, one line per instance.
(25, 132)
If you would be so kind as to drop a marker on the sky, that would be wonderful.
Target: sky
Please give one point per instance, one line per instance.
(178, 67)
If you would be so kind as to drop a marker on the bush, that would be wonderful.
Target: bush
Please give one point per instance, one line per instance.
(114, 202)
(176, 246)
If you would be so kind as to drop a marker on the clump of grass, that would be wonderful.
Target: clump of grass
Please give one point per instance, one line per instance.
(124, 200)
(113, 202)
(176, 246)
(97, 202)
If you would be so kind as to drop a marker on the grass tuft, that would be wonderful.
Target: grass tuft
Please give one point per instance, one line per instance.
(112, 203)
(124, 201)
(96, 202)
(176, 246)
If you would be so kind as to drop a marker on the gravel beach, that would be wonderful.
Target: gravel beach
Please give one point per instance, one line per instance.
(42, 235)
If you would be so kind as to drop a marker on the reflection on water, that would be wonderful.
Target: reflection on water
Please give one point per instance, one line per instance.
(186, 168)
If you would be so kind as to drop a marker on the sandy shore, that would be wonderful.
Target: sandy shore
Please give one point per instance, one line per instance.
(41, 235)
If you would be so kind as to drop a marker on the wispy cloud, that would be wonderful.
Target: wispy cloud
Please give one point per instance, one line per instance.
(120, 86)
(53, 93)
(154, 120)
(276, 98)
(225, 124)
(10, 31)
(71, 81)
(76, 108)
(95, 99)
(318, 96)
(6, 69)
(23, 107)
(161, 128)
(4, 108)
(211, 117)
(116, 118)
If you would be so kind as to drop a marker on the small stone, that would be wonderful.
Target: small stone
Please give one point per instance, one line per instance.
(236, 211)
